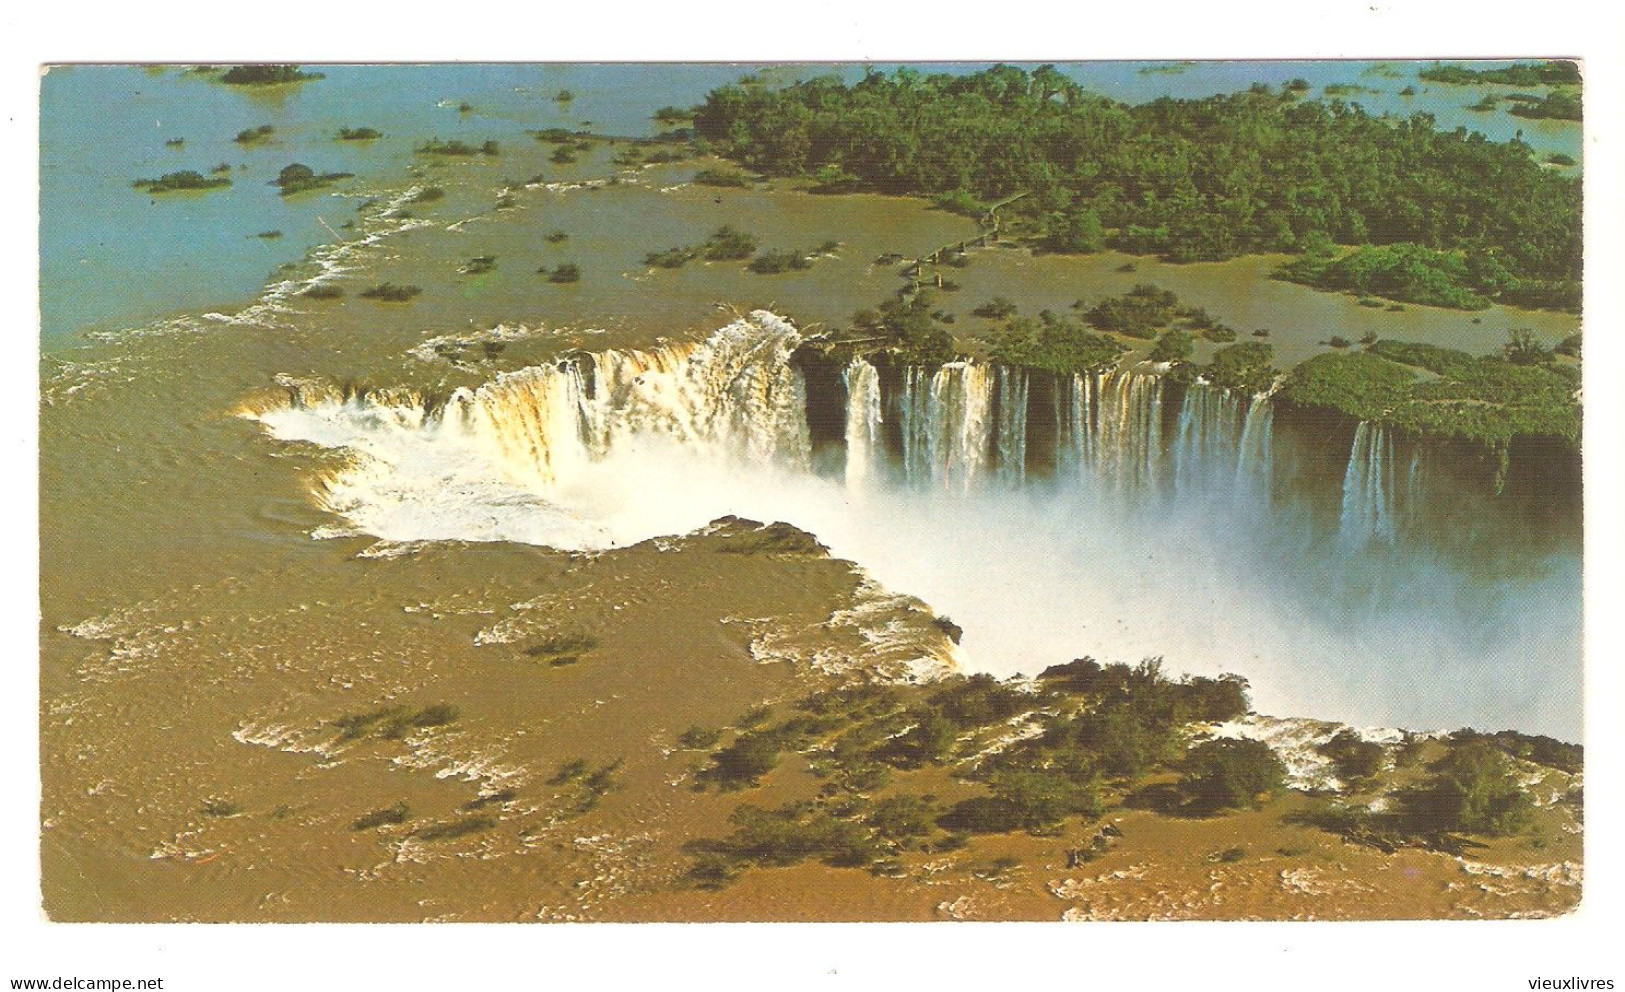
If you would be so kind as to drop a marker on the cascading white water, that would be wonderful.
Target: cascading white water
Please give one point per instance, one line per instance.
(1255, 462)
(865, 447)
(1368, 512)
(947, 424)
(1012, 433)
(611, 449)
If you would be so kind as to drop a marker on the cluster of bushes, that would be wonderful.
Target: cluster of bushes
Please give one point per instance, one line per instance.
(1137, 313)
(1521, 74)
(1101, 724)
(359, 134)
(455, 148)
(565, 272)
(174, 182)
(1464, 280)
(1244, 367)
(1562, 105)
(1355, 758)
(774, 261)
(1488, 400)
(910, 328)
(479, 265)
(1054, 344)
(254, 135)
(722, 177)
(1230, 774)
(726, 244)
(1473, 788)
(267, 75)
(300, 178)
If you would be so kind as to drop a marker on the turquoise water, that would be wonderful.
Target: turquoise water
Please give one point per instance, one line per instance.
(111, 257)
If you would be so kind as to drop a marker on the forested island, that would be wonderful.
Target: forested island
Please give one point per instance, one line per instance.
(175, 182)
(267, 75)
(1187, 180)
(1555, 73)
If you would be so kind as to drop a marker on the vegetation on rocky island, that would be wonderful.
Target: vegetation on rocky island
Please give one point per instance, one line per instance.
(1521, 74)
(457, 149)
(254, 135)
(267, 75)
(1487, 400)
(300, 178)
(175, 182)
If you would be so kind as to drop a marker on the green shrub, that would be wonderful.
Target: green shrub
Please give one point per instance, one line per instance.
(1355, 758)
(721, 177)
(998, 308)
(1474, 789)
(671, 258)
(1173, 346)
(174, 182)
(1226, 774)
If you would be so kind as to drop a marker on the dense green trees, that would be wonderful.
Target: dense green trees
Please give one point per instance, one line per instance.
(1188, 179)
(1520, 74)
(1474, 789)
(171, 182)
(267, 75)
(1488, 400)
(1243, 367)
(1225, 774)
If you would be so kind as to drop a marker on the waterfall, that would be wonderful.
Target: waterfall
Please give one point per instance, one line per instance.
(1368, 488)
(1012, 432)
(864, 445)
(1074, 423)
(1127, 445)
(1206, 446)
(735, 394)
(947, 424)
(737, 397)
(1254, 462)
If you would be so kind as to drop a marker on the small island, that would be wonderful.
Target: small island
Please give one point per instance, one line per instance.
(299, 178)
(359, 134)
(267, 75)
(176, 182)
(457, 149)
(1520, 74)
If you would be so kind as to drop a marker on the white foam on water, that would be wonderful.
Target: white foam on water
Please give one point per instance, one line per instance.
(1143, 545)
